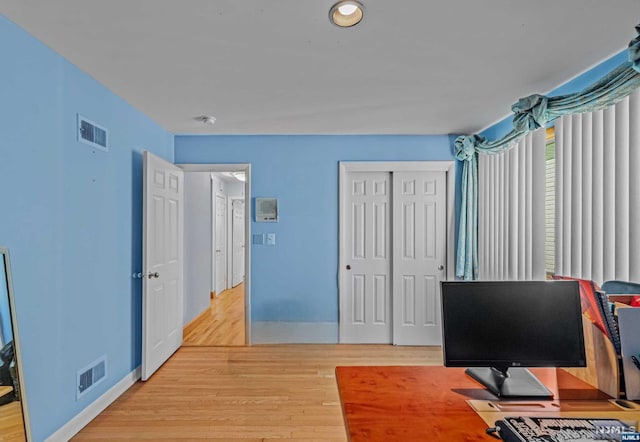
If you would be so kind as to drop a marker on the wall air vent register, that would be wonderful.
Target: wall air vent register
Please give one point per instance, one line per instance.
(92, 134)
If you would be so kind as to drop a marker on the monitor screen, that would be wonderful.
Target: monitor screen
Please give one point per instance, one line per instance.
(502, 324)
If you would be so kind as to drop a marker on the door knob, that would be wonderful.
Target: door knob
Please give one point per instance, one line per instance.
(348, 267)
(154, 275)
(440, 267)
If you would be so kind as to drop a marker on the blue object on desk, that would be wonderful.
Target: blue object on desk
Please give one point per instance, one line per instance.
(629, 325)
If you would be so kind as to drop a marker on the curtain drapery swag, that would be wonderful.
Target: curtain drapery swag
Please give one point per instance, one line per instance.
(531, 113)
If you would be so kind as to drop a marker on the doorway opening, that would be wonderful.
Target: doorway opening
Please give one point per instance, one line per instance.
(216, 250)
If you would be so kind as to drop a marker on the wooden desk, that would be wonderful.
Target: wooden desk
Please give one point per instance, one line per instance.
(427, 403)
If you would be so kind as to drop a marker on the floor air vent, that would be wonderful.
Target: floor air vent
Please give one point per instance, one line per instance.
(92, 134)
(90, 376)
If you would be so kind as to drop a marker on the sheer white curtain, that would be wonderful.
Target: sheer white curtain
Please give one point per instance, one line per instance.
(598, 193)
(511, 212)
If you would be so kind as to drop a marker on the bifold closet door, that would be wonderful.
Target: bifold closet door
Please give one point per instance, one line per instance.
(419, 256)
(365, 305)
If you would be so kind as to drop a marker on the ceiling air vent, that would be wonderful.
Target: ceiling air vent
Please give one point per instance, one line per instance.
(92, 134)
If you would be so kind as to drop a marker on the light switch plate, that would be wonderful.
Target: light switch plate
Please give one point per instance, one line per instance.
(271, 239)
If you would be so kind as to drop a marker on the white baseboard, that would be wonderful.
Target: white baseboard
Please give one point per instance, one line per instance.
(272, 332)
(79, 421)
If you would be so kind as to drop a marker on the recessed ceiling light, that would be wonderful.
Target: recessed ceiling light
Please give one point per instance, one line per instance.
(347, 9)
(346, 13)
(207, 119)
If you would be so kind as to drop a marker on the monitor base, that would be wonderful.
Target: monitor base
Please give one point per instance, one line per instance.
(515, 382)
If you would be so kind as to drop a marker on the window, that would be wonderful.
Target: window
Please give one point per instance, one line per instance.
(597, 193)
(550, 204)
(573, 192)
(511, 211)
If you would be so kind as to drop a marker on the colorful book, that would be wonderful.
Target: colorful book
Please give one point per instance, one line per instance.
(589, 301)
(609, 320)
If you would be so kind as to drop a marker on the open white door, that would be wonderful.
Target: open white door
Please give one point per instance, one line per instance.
(221, 245)
(238, 241)
(162, 262)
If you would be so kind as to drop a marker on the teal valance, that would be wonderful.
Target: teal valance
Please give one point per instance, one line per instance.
(531, 113)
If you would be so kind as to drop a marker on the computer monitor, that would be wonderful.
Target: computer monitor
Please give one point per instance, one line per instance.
(496, 328)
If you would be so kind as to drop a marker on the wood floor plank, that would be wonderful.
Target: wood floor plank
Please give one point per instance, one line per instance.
(245, 394)
(11, 422)
(221, 324)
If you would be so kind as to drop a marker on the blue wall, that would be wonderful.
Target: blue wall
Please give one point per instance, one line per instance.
(296, 280)
(71, 219)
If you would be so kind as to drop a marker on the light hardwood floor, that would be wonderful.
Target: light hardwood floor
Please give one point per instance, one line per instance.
(221, 324)
(245, 393)
(11, 423)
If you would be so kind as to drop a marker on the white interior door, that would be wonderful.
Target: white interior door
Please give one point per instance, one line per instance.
(238, 241)
(396, 222)
(419, 256)
(162, 262)
(365, 293)
(221, 244)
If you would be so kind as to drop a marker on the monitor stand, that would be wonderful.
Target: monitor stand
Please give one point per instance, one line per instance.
(510, 382)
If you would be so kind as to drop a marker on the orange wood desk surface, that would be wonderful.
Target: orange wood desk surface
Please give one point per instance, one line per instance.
(427, 403)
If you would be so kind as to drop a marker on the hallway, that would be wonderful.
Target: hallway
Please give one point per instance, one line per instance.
(220, 325)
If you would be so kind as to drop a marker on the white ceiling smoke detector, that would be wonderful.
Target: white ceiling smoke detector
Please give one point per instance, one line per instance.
(207, 119)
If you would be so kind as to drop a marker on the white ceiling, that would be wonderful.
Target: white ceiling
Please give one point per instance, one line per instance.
(280, 67)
